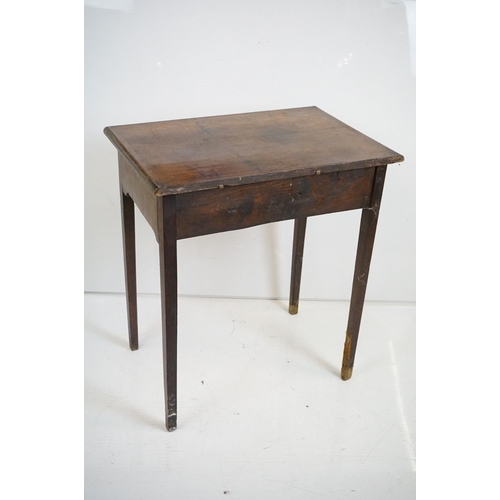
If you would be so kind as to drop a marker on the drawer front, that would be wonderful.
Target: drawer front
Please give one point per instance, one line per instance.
(238, 207)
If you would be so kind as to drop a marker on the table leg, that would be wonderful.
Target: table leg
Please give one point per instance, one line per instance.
(367, 231)
(128, 227)
(299, 234)
(167, 233)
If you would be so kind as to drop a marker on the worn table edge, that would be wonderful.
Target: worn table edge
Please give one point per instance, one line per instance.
(123, 148)
(163, 190)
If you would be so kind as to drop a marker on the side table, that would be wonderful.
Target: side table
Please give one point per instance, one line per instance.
(200, 176)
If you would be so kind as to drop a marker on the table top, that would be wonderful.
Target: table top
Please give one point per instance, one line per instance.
(197, 154)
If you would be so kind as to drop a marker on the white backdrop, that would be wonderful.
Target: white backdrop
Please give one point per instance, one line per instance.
(161, 60)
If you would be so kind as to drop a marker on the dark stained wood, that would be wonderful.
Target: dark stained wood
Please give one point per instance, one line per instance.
(367, 230)
(128, 229)
(196, 154)
(299, 235)
(167, 234)
(206, 175)
(237, 207)
(139, 189)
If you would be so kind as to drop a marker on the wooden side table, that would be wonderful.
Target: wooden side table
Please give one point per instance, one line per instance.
(206, 175)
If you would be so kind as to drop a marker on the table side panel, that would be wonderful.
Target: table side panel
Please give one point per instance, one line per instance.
(238, 207)
(135, 185)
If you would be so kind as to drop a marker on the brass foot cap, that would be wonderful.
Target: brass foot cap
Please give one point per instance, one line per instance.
(346, 373)
(293, 308)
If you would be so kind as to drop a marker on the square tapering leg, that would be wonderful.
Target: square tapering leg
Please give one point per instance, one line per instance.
(368, 227)
(167, 233)
(128, 227)
(299, 234)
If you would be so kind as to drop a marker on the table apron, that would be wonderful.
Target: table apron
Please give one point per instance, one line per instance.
(238, 207)
(135, 184)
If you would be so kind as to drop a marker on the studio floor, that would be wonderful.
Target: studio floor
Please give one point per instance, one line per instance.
(262, 410)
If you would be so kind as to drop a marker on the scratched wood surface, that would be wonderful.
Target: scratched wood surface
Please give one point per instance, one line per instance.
(238, 207)
(197, 154)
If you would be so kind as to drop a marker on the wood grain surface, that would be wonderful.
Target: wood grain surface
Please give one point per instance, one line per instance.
(197, 154)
